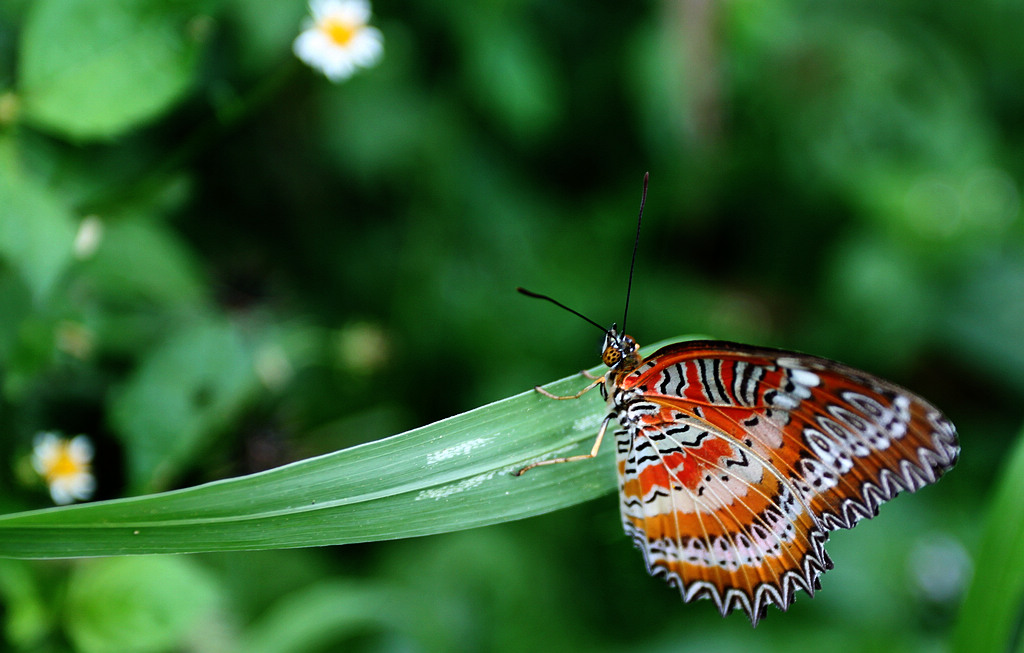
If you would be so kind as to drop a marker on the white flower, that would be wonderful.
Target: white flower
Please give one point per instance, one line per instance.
(338, 40)
(66, 465)
(87, 240)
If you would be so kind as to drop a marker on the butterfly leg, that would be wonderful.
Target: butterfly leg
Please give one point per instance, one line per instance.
(570, 459)
(597, 381)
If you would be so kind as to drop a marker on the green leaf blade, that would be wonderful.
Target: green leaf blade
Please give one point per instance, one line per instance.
(991, 614)
(451, 475)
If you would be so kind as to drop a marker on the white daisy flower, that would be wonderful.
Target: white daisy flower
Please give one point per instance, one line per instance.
(338, 40)
(66, 465)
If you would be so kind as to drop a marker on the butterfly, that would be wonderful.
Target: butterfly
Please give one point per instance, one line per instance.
(736, 462)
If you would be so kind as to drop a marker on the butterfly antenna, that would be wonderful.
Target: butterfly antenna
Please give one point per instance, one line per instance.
(560, 305)
(636, 243)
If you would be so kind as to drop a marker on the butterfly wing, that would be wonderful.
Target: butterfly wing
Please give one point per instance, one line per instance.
(736, 462)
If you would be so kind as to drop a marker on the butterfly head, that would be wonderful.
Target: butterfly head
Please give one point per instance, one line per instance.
(619, 351)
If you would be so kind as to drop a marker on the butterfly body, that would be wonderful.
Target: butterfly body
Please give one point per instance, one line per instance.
(735, 463)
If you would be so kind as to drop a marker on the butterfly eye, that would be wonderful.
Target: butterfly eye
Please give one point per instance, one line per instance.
(611, 356)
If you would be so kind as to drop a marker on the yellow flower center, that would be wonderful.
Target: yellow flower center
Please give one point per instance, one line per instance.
(339, 31)
(63, 465)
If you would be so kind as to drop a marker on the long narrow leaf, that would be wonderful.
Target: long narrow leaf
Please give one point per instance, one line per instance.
(990, 619)
(450, 475)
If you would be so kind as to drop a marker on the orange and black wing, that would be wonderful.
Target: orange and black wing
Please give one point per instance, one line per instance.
(736, 462)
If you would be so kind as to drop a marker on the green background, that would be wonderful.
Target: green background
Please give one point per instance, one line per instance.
(289, 267)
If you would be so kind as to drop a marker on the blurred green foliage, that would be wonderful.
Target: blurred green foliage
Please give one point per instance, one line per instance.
(213, 261)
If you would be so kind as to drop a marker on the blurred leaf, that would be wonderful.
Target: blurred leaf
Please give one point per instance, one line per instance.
(142, 259)
(317, 616)
(868, 277)
(666, 101)
(510, 72)
(994, 604)
(19, 359)
(984, 319)
(526, 587)
(184, 392)
(96, 69)
(265, 31)
(26, 618)
(36, 231)
(375, 129)
(136, 605)
(451, 475)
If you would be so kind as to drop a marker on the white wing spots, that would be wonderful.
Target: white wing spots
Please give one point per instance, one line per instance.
(730, 481)
(766, 436)
(789, 362)
(796, 389)
(765, 539)
(790, 507)
(657, 502)
(847, 440)
(721, 553)
(828, 451)
(815, 478)
(869, 432)
(901, 406)
(782, 401)
(747, 378)
(719, 489)
(804, 378)
(893, 419)
(944, 437)
(460, 449)
(631, 415)
(671, 381)
(942, 426)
